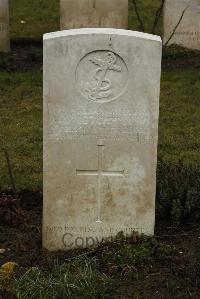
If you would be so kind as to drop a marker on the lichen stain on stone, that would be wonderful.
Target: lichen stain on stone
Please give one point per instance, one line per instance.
(141, 211)
(117, 192)
(84, 203)
(146, 206)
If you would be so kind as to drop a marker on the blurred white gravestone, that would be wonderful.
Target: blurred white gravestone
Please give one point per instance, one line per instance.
(93, 13)
(4, 26)
(187, 33)
(101, 106)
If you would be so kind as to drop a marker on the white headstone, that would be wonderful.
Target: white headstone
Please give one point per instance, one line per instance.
(187, 33)
(93, 13)
(101, 106)
(4, 26)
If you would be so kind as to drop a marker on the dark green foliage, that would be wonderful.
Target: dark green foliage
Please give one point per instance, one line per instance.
(178, 52)
(178, 192)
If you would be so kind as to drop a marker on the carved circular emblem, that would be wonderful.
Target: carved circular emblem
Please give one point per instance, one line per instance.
(101, 76)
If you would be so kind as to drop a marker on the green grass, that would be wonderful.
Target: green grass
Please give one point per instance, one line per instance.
(78, 279)
(21, 112)
(21, 128)
(41, 16)
(179, 124)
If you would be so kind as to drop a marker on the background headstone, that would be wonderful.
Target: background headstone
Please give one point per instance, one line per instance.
(188, 32)
(101, 106)
(93, 13)
(4, 26)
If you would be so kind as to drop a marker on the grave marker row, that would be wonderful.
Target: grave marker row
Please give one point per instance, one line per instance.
(114, 14)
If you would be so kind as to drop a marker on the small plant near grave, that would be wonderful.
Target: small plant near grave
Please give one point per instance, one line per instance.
(10, 212)
(178, 192)
(127, 254)
(6, 275)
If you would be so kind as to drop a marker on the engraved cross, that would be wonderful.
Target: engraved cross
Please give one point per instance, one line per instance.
(100, 173)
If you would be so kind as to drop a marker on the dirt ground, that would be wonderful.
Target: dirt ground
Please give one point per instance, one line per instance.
(176, 276)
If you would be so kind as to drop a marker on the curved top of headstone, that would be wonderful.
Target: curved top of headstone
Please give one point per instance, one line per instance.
(111, 31)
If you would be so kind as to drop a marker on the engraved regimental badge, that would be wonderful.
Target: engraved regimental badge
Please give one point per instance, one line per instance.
(101, 76)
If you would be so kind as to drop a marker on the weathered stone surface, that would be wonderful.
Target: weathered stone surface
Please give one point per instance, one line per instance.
(188, 32)
(4, 26)
(93, 13)
(101, 106)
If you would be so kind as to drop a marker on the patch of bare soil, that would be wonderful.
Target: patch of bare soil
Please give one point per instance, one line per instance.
(22, 57)
(189, 62)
